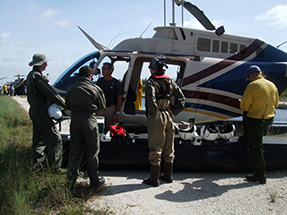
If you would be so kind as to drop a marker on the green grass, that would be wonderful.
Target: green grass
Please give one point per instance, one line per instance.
(23, 191)
(283, 96)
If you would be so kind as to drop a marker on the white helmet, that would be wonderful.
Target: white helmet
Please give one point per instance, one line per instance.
(55, 111)
(226, 131)
(188, 135)
(106, 137)
(209, 132)
(186, 131)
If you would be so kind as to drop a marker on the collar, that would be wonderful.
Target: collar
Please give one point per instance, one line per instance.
(160, 76)
(258, 77)
(36, 69)
(84, 79)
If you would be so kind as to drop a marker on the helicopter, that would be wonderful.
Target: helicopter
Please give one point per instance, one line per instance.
(19, 84)
(209, 66)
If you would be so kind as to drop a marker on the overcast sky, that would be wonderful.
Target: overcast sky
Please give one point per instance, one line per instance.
(50, 26)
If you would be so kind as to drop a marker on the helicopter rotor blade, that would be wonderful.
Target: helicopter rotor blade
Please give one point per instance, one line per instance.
(17, 75)
(95, 43)
(8, 77)
(198, 14)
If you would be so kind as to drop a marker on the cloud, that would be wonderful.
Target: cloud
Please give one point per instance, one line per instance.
(46, 16)
(18, 56)
(193, 23)
(23, 44)
(5, 39)
(277, 16)
(63, 24)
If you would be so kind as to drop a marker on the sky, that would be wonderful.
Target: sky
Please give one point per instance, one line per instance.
(50, 26)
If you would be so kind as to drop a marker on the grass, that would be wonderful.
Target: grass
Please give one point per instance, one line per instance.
(22, 190)
(283, 96)
(273, 196)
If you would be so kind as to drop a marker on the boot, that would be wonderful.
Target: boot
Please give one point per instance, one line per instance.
(154, 174)
(254, 178)
(167, 176)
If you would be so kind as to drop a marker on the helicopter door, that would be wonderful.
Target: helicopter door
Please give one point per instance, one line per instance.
(133, 87)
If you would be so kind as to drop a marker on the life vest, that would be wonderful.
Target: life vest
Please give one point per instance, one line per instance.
(162, 85)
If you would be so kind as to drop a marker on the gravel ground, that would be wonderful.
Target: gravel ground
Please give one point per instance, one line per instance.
(190, 193)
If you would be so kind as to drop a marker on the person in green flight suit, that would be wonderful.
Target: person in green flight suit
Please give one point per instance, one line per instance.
(47, 141)
(83, 99)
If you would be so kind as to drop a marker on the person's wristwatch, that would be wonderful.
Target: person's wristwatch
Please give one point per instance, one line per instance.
(117, 112)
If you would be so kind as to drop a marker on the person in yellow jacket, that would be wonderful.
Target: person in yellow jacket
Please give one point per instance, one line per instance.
(258, 103)
(4, 89)
(138, 101)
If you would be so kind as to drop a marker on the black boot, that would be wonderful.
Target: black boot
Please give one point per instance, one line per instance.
(167, 176)
(255, 178)
(154, 174)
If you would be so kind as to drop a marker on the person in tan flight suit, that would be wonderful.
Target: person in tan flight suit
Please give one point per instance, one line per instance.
(159, 90)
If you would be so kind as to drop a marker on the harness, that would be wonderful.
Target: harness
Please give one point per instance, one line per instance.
(162, 85)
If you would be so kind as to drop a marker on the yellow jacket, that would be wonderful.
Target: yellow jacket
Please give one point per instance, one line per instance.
(260, 99)
(4, 88)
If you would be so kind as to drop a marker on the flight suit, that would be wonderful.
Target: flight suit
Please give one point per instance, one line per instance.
(84, 99)
(160, 124)
(47, 141)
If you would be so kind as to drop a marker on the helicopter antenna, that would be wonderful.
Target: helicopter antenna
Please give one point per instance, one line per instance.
(145, 29)
(281, 44)
(164, 11)
(115, 38)
(173, 15)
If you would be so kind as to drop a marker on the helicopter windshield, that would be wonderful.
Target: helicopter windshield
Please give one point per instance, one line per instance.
(71, 74)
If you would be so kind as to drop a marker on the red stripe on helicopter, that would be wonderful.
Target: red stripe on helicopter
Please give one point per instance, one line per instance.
(212, 97)
(223, 64)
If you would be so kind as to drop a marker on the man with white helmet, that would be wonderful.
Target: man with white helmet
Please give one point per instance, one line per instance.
(47, 142)
(159, 90)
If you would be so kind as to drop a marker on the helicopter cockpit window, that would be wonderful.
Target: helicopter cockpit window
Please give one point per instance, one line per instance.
(90, 63)
(203, 44)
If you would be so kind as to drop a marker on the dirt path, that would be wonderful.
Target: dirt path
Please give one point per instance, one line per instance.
(190, 193)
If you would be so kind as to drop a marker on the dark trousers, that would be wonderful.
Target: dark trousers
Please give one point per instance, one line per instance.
(254, 129)
(47, 141)
(84, 141)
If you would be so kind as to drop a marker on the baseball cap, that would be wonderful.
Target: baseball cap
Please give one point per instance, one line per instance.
(253, 69)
